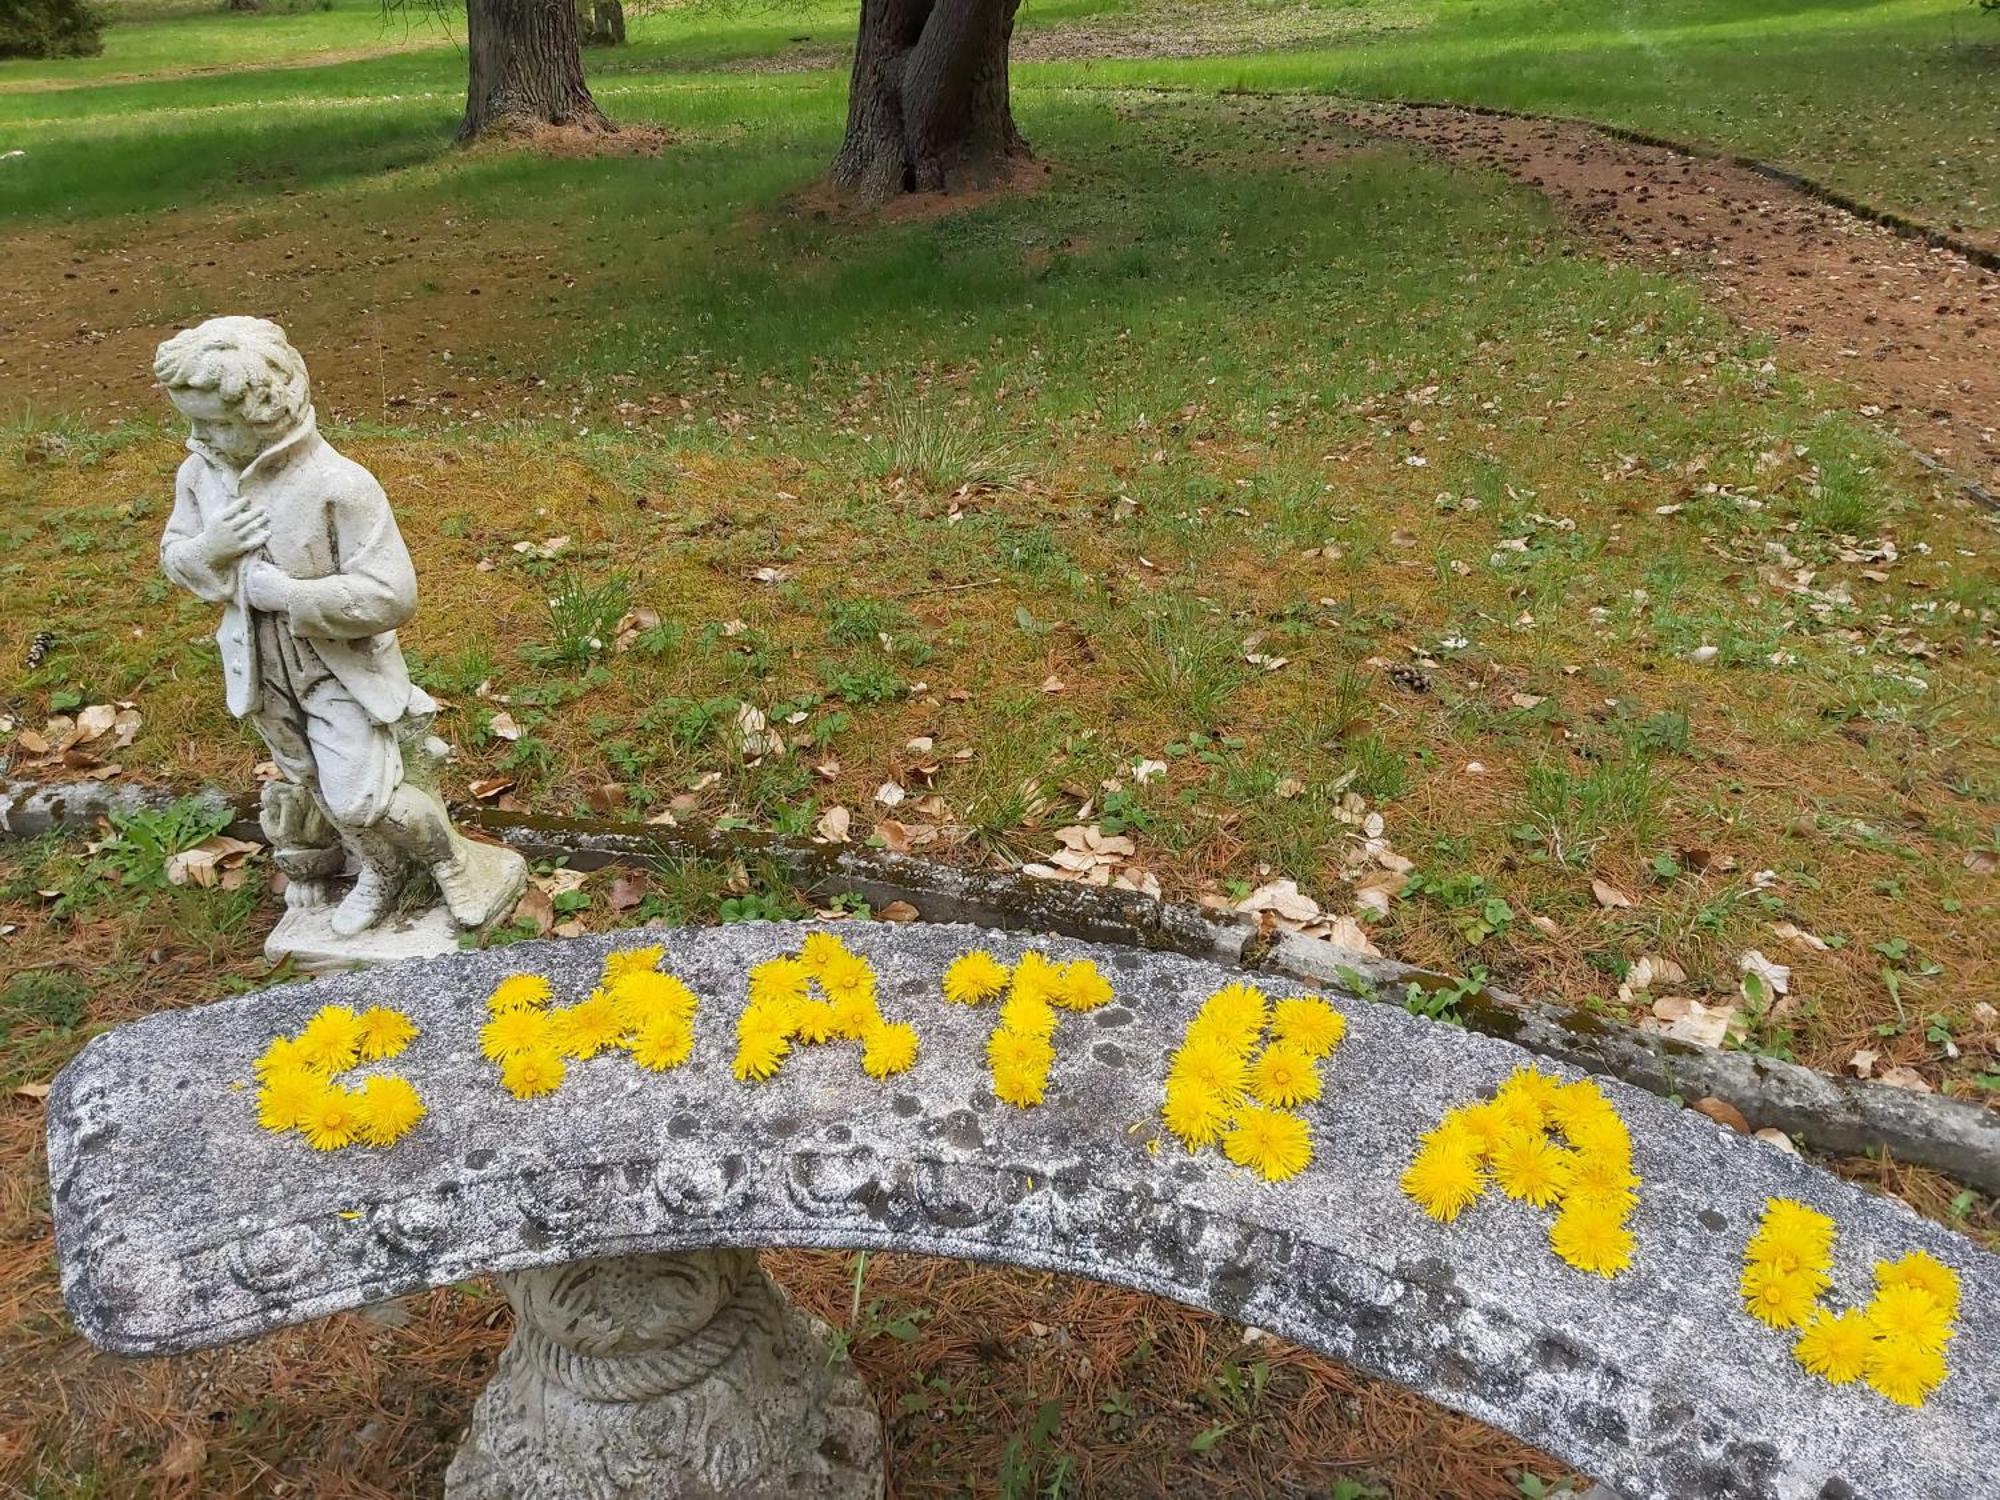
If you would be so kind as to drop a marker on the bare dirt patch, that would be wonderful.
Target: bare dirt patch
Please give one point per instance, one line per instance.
(1915, 329)
(418, 313)
(821, 200)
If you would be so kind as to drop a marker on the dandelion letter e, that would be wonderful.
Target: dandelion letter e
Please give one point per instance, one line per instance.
(1510, 1141)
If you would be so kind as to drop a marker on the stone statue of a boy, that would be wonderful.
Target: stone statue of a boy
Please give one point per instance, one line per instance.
(298, 546)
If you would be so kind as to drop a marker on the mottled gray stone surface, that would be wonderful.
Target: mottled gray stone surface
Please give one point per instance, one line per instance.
(179, 1224)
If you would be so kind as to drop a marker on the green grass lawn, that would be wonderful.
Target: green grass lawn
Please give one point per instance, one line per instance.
(1889, 100)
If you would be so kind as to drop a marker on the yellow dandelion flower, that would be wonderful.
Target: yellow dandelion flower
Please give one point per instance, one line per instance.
(286, 1096)
(631, 961)
(1909, 1314)
(1284, 1075)
(1444, 1181)
(1271, 1142)
(765, 1018)
(1212, 1065)
(975, 978)
(1531, 1083)
(1786, 1219)
(1486, 1126)
(1038, 975)
(1578, 1105)
(512, 1032)
(1528, 1166)
(758, 1057)
(1453, 1134)
(517, 991)
(1195, 1113)
(813, 1022)
(1905, 1373)
(847, 975)
(1081, 987)
(890, 1047)
(1019, 1083)
(1601, 1135)
(1518, 1113)
(644, 995)
(586, 1028)
(331, 1118)
(1596, 1178)
(1780, 1299)
(384, 1033)
(663, 1042)
(282, 1056)
(1241, 1004)
(855, 1016)
(779, 981)
(1924, 1271)
(1018, 1050)
(820, 949)
(1592, 1239)
(1028, 1014)
(1309, 1024)
(533, 1072)
(1235, 1034)
(1836, 1346)
(331, 1041)
(390, 1110)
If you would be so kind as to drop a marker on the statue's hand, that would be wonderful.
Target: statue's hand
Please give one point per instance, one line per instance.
(241, 528)
(267, 588)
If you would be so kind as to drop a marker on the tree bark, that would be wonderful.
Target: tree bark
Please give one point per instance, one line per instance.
(526, 68)
(928, 108)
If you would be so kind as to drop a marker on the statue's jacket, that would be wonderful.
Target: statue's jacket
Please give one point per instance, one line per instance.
(332, 532)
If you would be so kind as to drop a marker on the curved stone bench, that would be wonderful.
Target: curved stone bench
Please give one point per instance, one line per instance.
(179, 1225)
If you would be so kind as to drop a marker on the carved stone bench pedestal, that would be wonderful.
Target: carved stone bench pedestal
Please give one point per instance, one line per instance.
(662, 1376)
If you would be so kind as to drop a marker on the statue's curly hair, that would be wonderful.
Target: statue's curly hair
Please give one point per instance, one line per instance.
(248, 361)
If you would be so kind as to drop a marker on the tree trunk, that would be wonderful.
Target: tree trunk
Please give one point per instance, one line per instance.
(927, 109)
(602, 22)
(527, 68)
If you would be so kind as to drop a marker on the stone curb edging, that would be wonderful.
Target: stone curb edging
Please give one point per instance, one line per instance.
(1836, 1116)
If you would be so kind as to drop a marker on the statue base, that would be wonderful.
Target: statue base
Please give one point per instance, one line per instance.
(666, 1377)
(305, 935)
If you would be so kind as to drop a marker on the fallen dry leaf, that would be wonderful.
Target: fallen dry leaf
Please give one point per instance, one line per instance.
(895, 836)
(486, 788)
(1777, 977)
(1608, 895)
(1901, 1077)
(1863, 1062)
(503, 727)
(898, 911)
(1691, 1021)
(95, 720)
(536, 910)
(1723, 1113)
(1799, 937)
(31, 1091)
(890, 794)
(1282, 897)
(626, 893)
(1771, 1135)
(833, 825)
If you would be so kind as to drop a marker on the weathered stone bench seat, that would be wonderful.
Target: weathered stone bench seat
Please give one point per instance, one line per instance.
(180, 1224)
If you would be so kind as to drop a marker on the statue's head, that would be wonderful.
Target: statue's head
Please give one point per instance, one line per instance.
(238, 381)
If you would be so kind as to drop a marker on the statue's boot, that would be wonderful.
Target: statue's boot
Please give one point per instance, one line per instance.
(375, 888)
(480, 883)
